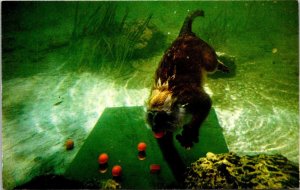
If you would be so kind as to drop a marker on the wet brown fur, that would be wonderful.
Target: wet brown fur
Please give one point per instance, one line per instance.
(179, 81)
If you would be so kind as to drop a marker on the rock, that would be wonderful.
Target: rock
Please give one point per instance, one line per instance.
(148, 41)
(232, 171)
(211, 156)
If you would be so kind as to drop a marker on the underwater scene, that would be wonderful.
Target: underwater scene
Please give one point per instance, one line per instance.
(88, 89)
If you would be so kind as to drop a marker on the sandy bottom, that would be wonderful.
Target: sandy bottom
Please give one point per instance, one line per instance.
(257, 108)
(40, 113)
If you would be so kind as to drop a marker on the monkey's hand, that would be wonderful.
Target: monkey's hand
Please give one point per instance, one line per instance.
(188, 136)
(222, 67)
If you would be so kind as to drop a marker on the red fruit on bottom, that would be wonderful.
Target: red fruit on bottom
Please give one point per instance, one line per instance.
(69, 144)
(116, 171)
(103, 158)
(154, 168)
(142, 146)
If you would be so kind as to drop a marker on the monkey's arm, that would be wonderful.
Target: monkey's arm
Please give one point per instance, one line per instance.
(199, 106)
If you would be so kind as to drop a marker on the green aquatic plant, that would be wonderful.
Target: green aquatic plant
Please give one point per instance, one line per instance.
(103, 43)
(121, 46)
(215, 29)
(218, 27)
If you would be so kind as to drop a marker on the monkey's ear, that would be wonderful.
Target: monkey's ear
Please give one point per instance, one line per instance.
(222, 67)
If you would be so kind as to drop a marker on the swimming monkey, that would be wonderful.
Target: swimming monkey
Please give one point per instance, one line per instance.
(177, 98)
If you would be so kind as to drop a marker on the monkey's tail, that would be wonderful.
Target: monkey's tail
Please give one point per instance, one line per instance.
(187, 25)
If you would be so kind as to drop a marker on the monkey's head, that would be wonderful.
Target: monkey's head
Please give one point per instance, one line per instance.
(161, 115)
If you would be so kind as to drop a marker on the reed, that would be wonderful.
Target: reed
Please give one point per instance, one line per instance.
(215, 31)
(102, 43)
(226, 24)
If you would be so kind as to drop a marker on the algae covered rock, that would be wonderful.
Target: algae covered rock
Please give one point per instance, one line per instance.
(229, 170)
(111, 184)
(149, 40)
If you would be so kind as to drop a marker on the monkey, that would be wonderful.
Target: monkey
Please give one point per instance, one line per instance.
(177, 99)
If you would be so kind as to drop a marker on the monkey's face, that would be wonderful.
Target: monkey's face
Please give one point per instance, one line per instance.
(160, 114)
(160, 122)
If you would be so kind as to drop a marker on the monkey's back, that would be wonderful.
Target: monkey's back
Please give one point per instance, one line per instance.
(183, 63)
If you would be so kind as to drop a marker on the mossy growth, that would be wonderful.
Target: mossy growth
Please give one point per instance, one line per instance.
(110, 184)
(231, 171)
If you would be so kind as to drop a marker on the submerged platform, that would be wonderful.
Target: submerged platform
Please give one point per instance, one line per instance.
(118, 132)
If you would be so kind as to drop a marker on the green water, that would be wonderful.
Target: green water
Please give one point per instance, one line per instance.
(64, 62)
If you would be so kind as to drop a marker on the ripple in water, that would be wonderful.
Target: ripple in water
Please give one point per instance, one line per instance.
(40, 113)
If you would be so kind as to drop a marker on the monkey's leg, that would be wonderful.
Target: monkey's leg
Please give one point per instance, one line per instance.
(199, 106)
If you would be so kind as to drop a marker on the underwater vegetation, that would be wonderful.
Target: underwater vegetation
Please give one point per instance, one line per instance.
(231, 171)
(215, 171)
(111, 184)
(105, 43)
(44, 103)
